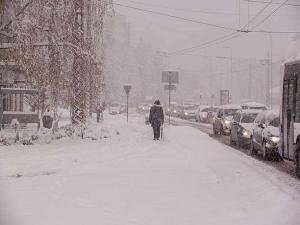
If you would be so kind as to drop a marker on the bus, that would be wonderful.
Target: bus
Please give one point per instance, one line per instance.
(290, 107)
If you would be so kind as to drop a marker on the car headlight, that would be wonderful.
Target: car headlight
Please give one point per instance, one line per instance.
(226, 122)
(175, 111)
(143, 108)
(275, 139)
(186, 113)
(246, 133)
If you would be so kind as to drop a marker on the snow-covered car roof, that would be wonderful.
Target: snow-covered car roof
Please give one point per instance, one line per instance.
(293, 53)
(230, 107)
(249, 111)
(253, 104)
(270, 113)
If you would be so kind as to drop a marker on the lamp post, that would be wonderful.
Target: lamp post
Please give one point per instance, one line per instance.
(230, 79)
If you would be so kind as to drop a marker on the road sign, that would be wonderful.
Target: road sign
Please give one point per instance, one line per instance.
(127, 88)
(224, 97)
(170, 77)
(170, 87)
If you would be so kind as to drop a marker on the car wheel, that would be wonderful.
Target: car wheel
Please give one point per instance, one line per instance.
(230, 140)
(264, 151)
(297, 159)
(238, 143)
(251, 147)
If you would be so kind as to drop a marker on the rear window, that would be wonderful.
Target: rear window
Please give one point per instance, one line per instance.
(275, 122)
(230, 112)
(248, 118)
(190, 107)
(207, 110)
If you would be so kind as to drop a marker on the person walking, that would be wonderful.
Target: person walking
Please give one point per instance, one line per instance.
(99, 111)
(156, 118)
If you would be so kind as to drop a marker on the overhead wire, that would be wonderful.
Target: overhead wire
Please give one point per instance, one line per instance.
(177, 17)
(273, 3)
(223, 38)
(272, 13)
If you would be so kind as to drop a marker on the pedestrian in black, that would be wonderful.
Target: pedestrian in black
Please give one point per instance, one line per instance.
(156, 118)
(99, 111)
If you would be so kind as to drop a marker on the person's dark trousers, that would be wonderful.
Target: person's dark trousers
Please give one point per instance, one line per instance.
(156, 131)
(98, 117)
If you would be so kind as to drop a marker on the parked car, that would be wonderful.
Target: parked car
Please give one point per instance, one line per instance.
(189, 112)
(265, 135)
(170, 109)
(178, 110)
(144, 107)
(123, 108)
(115, 108)
(242, 126)
(222, 121)
(202, 112)
(253, 105)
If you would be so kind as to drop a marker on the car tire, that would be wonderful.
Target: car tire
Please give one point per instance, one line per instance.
(264, 151)
(297, 159)
(238, 143)
(231, 142)
(252, 150)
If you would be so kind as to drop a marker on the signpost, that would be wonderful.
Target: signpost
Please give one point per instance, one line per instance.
(127, 89)
(171, 78)
(224, 97)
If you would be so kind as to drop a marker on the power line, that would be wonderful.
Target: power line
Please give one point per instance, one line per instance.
(177, 17)
(202, 45)
(273, 3)
(243, 32)
(179, 9)
(273, 12)
(223, 38)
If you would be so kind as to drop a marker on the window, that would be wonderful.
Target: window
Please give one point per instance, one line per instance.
(259, 118)
(248, 118)
(237, 117)
(192, 107)
(230, 112)
(275, 122)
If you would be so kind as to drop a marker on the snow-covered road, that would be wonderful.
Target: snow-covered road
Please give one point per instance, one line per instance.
(129, 179)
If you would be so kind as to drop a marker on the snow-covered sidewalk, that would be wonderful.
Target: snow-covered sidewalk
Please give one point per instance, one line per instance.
(127, 178)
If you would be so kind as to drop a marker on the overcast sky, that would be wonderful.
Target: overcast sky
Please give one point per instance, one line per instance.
(170, 34)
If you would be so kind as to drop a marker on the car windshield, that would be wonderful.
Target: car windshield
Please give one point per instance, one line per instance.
(207, 110)
(192, 107)
(179, 107)
(114, 105)
(275, 122)
(248, 118)
(230, 112)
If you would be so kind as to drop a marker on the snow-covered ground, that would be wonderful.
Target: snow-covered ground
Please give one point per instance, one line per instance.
(129, 179)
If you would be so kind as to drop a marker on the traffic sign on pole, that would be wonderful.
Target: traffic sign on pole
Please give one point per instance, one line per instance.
(171, 78)
(127, 88)
(171, 87)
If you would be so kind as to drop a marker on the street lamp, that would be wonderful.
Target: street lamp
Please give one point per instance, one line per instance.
(230, 79)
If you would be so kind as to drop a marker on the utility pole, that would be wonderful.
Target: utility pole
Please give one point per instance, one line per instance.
(271, 70)
(268, 82)
(250, 80)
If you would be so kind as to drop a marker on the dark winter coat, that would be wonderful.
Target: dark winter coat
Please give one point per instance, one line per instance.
(156, 117)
